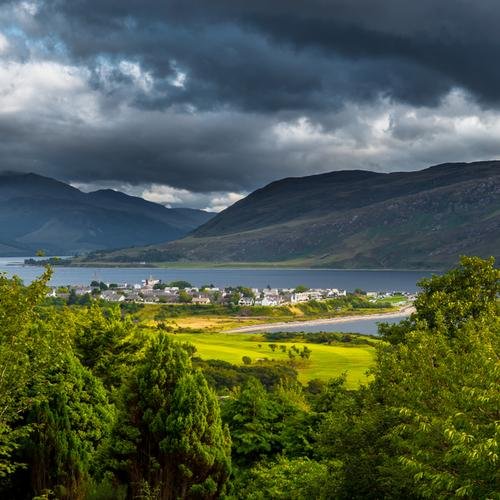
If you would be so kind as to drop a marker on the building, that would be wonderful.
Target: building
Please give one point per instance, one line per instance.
(112, 296)
(246, 301)
(201, 300)
(271, 300)
(299, 297)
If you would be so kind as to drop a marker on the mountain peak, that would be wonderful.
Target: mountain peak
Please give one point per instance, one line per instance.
(353, 219)
(41, 212)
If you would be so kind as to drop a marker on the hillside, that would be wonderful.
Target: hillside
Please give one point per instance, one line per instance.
(37, 212)
(351, 219)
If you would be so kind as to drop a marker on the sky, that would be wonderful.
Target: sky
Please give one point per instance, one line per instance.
(197, 103)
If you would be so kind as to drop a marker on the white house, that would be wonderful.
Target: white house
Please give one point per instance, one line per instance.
(299, 297)
(201, 300)
(112, 296)
(271, 300)
(246, 301)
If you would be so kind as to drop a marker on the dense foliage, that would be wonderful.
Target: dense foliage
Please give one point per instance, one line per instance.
(320, 338)
(93, 406)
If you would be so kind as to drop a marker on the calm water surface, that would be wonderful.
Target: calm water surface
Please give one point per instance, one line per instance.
(367, 326)
(259, 278)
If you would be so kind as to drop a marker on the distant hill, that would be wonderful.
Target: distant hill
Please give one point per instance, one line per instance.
(38, 212)
(351, 219)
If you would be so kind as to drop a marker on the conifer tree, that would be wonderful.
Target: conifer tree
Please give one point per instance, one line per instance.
(170, 436)
(67, 427)
(105, 342)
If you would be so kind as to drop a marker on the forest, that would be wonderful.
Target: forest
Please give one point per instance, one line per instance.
(94, 407)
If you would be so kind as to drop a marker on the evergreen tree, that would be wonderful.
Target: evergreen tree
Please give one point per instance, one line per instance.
(170, 436)
(67, 427)
(255, 421)
(105, 342)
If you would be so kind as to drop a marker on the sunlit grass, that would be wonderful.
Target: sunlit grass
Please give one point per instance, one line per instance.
(326, 361)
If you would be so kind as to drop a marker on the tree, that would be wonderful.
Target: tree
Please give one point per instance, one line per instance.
(247, 360)
(234, 297)
(427, 425)
(184, 297)
(245, 291)
(73, 298)
(254, 421)
(305, 353)
(67, 427)
(301, 289)
(447, 301)
(180, 284)
(285, 478)
(106, 343)
(29, 343)
(441, 394)
(170, 433)
(466, 292)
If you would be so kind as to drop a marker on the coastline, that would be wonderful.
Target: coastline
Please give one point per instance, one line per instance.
(225, 265)
(401, 313)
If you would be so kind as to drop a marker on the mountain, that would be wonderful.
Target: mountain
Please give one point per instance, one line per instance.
(351, 219)
(38, 212)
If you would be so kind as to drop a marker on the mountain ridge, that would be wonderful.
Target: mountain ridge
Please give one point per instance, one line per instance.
(38, 212)
(419, 219)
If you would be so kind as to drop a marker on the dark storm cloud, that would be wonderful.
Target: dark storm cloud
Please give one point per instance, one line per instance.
(226, 95)
(269, 55)
(183, 151)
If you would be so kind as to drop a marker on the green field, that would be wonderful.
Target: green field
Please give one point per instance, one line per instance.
(326, 361)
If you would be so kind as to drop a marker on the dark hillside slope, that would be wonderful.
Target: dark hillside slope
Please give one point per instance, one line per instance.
(316, 195)
(352, 219)
(41, 213)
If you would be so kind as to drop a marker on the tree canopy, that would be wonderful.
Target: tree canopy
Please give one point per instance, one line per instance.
(94, 406)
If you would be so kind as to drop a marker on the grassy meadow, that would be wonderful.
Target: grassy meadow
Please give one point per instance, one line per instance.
(326, 361)
(207, 328)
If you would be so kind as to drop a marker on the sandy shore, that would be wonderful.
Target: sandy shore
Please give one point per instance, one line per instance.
(404, 311)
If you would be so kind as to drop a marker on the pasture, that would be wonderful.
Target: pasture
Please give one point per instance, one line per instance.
(326, 361)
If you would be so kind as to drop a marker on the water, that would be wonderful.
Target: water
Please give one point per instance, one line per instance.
(366, 326)
(259, 278)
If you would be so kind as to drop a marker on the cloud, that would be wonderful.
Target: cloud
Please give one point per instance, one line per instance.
(198, 104)
(169, 196)
(277, 55)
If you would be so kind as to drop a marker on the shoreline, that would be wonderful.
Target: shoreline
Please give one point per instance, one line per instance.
(215, 265)
(402, 313)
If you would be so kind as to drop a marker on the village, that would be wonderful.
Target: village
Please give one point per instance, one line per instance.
(152, 290)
